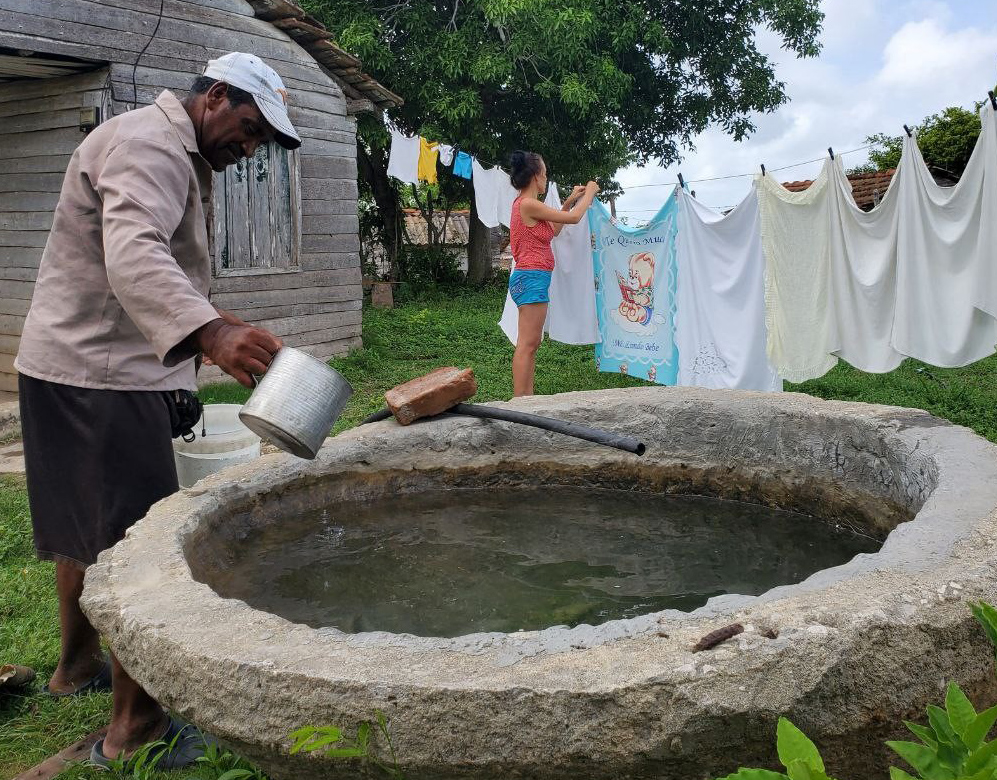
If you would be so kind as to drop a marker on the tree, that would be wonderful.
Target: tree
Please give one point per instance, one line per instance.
(946, 141)
(593, 85)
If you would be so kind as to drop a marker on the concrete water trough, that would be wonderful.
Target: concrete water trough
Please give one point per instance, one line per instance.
(845, 653)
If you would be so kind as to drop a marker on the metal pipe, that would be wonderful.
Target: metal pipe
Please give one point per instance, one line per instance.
(384, 414)
(596, 435)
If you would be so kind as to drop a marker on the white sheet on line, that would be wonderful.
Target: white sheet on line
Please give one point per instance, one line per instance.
(795, 242)
(986, 292)
(403, 158)
(571, 316)
(720, 314)
(863, 271)
(944, 241)
(493, 194)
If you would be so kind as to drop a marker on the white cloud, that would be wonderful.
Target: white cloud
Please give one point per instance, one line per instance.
(924, 57)
(883, 64)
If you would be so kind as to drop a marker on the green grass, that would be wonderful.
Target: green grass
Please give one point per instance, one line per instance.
(462, 330)
(399, 344)
(33, 727)
(457, 330)
(966, 396)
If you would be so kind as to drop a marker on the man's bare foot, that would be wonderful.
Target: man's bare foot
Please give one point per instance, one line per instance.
(124, 737)
(69, 677)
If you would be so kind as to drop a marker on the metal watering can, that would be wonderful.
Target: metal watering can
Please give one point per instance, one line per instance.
(296, 403)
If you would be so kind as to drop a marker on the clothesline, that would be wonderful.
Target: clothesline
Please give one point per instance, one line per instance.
(457, 148)
(736, 175)
(699, 181)
(721, 209)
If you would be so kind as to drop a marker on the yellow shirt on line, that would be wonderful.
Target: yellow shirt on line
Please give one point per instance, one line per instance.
(428, 154)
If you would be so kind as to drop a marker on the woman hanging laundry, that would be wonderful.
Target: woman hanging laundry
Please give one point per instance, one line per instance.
(532, 226)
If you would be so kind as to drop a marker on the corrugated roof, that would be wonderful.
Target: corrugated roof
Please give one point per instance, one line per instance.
(867, 188)
(309, 33)
(458, 227)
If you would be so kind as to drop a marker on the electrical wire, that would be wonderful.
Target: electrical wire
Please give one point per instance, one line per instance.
(735, 175)
(141, 54)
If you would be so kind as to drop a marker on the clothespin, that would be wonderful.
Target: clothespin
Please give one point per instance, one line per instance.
(993, 100)
(681, 181)
(908, 131)
(830, 151)
(763, 169)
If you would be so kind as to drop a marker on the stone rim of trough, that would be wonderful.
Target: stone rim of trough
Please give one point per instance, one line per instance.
(141, 595)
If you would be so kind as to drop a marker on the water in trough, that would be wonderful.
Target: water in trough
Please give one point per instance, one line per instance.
(449, 563)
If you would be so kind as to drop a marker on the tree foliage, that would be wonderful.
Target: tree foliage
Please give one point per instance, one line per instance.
(946, 141)
(593, 85)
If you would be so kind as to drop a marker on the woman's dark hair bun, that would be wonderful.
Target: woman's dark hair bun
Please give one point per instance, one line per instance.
(524, 165)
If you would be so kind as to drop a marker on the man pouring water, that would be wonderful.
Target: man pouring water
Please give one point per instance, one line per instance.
(106, 359)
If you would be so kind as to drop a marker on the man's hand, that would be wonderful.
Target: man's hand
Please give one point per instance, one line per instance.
(229, 317)
(238, 350)
(592, 187)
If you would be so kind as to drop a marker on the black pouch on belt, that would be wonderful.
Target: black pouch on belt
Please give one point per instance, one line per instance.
(185, 411)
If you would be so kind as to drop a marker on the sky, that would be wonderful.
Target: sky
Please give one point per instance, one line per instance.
(884, 63)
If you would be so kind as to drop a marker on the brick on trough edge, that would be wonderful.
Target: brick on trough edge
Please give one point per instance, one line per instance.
(431, 394)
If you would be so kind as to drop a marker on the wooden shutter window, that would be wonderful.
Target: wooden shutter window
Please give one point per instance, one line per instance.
(257, 214)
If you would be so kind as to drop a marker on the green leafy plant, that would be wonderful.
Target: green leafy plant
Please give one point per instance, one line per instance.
(952, 746)
(987, 617)
(797, 754)
(332, 742)
(224, 765)
(425, 269)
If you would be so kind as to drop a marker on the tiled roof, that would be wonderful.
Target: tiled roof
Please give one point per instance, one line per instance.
(867, 188)
(458, 227)
(310, 34)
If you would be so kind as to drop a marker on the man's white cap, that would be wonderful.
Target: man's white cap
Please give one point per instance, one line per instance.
(248, 72)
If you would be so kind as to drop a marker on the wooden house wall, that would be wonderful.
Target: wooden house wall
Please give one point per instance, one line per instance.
(39, 129)
(317, 307)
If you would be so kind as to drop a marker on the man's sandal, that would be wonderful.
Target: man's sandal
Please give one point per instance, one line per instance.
(181, 745)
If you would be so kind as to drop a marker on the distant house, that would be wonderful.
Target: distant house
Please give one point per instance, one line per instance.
(868, 189)
(283, 225)
(455, 235)
(455, 231)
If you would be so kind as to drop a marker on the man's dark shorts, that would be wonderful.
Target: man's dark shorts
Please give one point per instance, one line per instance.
(96, 460)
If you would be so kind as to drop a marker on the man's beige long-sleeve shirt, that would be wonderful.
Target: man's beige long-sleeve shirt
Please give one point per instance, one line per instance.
(124, 277)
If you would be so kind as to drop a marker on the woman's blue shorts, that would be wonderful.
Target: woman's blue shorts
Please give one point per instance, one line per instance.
(529, 286)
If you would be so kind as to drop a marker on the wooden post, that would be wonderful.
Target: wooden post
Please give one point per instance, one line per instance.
(381, 296)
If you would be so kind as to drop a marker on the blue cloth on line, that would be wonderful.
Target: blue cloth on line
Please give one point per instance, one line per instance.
(529, 286)
(636, 276)
(462, 165)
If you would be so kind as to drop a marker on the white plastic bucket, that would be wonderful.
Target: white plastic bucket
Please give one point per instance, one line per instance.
(226, 443)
